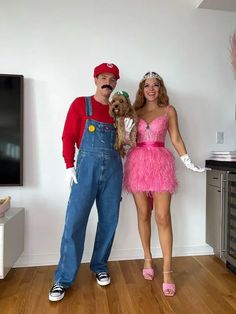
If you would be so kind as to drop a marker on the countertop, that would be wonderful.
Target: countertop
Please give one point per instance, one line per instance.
(221, 165)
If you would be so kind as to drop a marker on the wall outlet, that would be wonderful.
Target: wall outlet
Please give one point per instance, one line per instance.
(219, 137)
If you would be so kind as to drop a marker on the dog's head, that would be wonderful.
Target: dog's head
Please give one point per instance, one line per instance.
(120, 105)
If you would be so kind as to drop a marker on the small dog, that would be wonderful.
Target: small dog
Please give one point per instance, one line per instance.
(121, 108)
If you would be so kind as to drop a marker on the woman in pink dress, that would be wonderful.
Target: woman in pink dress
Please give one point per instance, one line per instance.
(150, 171)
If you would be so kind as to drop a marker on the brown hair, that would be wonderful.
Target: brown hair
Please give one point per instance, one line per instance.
(162, 101)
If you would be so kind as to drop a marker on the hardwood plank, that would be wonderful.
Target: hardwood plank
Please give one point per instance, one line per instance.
(204, 285)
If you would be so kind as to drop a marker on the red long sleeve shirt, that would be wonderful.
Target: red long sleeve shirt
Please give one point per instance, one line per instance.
(75, 123)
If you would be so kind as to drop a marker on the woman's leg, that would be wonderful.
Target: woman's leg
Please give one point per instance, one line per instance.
(144, 225)
(163, 219)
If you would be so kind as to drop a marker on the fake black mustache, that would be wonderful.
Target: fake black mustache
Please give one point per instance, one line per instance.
(107, 86)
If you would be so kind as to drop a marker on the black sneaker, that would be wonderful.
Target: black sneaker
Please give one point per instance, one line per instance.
(57, 293)
(103, 279)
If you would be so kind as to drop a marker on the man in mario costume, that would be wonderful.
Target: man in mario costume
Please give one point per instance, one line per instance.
(97, 176)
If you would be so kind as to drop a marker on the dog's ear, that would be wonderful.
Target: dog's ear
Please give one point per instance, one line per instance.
(129, 109)
(128, 101)
(111, 113)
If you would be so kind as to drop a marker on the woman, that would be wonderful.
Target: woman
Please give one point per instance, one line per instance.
(150, 171)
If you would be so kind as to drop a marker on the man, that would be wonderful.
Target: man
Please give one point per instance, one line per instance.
(97, 176)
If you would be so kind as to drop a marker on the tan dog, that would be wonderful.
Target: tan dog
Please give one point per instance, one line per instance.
(121, 108)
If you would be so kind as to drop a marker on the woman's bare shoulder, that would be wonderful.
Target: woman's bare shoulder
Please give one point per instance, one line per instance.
(171, 110)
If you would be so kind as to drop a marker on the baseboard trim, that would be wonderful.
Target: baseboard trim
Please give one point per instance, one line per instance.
(116, 255)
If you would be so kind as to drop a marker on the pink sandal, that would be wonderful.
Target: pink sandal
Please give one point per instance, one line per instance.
(148, 273)
(168, 289)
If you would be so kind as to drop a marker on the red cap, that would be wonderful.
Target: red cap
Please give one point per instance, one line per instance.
(106, 68)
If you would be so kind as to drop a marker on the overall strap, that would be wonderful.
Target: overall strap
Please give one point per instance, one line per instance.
(89, 109)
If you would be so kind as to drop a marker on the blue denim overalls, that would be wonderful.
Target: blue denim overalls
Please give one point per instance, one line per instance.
(99, 173)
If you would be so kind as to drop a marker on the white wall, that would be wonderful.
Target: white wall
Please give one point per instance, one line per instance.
(56, 44)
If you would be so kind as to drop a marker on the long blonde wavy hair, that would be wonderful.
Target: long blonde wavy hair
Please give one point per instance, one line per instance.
(162, 100)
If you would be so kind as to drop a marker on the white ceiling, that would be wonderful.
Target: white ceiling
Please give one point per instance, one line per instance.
(225, 5)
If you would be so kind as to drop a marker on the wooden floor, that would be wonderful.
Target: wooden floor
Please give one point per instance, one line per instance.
(204, 285)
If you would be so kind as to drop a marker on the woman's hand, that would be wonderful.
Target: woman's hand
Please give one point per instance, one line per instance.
(129, 124)
(188, 163)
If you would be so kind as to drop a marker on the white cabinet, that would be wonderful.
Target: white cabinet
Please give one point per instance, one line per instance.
(11, 238)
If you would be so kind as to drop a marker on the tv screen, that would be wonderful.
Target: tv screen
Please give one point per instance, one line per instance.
(11, 129)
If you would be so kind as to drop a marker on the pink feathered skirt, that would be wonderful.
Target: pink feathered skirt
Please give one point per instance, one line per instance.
(150, 169)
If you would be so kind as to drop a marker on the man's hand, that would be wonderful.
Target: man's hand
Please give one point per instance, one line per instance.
(188, 163)
(71, 176)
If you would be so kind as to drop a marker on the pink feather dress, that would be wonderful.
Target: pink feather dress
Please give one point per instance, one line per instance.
(150, 167)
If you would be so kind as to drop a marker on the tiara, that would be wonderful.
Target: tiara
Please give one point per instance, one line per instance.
(151, 75)
(123, 93)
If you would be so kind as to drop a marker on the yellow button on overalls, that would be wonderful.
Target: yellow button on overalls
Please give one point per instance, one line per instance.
(91, 128)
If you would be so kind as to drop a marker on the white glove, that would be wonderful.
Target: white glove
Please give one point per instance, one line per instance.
(188, 163)
(71, 176)
(129, 124)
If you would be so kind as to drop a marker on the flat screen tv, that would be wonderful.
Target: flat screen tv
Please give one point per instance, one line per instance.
(11, 129)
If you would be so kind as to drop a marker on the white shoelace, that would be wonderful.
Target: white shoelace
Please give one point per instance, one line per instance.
(57, 288)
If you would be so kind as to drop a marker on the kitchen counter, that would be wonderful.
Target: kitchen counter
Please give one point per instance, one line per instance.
(221, 165)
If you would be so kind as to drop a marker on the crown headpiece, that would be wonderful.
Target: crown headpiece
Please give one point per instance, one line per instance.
(151, 75)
